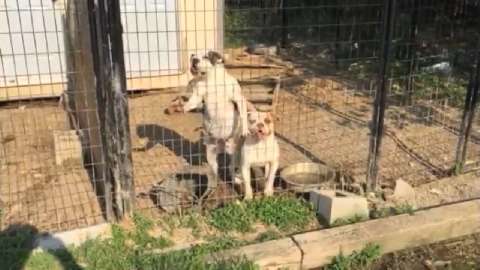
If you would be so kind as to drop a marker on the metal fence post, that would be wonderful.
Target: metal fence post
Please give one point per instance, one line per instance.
(109, 66)
(471, 101)
(283, 6)
(412, 52)
(377, 125)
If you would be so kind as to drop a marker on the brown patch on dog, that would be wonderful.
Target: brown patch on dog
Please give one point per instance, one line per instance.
(215, 57)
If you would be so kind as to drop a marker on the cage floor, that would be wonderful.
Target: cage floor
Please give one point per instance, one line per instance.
(33, 189)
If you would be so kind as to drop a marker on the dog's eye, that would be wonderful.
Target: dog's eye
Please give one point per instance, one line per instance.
(251, 121)
(267, 120)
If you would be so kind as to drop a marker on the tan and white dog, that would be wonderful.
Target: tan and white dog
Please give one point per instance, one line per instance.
(225, 108)
(259, 148)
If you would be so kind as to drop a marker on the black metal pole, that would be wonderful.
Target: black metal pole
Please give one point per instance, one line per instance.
(338, 32)
(412, 52)
(107, 46)
(377, 126)
(284, 24)
(471, 101)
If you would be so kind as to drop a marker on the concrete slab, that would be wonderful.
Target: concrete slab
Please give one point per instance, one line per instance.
(71, 238)
(334, 205)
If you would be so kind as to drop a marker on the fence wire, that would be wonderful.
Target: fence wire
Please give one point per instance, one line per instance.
(314, 65)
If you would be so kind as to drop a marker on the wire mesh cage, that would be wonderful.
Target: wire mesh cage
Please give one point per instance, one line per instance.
(44, 175)
(178, 103)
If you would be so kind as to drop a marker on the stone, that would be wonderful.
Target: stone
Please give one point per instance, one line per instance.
(67, 146)
(403, 192)
(262, 49)
(332, 205)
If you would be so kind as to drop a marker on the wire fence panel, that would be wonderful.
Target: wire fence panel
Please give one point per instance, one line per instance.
(427, 91)
(340, 95)
(48, 147)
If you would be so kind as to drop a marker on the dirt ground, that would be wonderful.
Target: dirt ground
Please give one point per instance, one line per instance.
(456, 254)
(318, 119)
(33, 189)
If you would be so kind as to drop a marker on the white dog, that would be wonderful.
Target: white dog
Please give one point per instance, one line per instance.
(225, 108)
(260, 147)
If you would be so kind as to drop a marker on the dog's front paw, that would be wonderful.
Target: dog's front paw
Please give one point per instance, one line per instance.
(237, 180)
(245, 132)
(248, 196)
(268, 192)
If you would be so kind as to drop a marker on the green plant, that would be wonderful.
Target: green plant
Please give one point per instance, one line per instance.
(118, 253)
(141, 235)
(430, 85)
(346, 221)
(232, 217)
(404, 208)
(268, 235)
(357, 260)
(236, 23)
(192, 220)
(284, 212)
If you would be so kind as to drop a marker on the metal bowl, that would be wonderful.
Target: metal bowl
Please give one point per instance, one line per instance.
(307, 176)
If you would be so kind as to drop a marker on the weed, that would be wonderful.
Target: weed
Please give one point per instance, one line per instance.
(268, 235)
(451, 89)
(220, 243)
(357, 260)
(404, 208)
(400, 209)
(117, 253)
(192, 220)
(141, 235)
(232, 217)
(346, 221)
(42, 261)
(284, 212)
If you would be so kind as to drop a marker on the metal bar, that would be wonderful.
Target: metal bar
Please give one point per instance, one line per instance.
(412, 52)
(107, 45)
(284, 24)
(377, 127)
(471, 101)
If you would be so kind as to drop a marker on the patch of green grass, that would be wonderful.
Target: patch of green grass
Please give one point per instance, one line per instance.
(346, 221)
(284, 212)
(237, 25)
(141, 235)
(400, 209)
(268, 235)
(357, 260)
(43, 261)
(138, 249)
(193, 221)
(198, 257)
(232, 217)
(117, 253)
(430, 85)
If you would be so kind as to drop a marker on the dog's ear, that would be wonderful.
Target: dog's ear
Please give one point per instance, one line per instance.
(215, 58)
(271, 117)
(194, 61)
(251, 107)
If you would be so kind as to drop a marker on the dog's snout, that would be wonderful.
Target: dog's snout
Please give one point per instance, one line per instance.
(260, 125)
